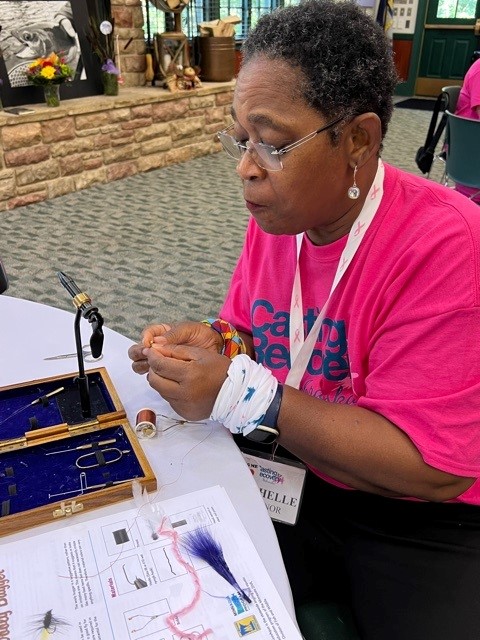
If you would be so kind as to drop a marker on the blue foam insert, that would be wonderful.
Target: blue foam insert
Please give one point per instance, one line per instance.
(34, 476)
(16, 409)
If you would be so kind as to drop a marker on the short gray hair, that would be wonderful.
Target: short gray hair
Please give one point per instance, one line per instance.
(343, 53)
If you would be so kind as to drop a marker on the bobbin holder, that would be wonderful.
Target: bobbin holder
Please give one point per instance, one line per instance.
(55, 463)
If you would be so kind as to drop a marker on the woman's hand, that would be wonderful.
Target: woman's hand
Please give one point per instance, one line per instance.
(135, 352)
(194, 334)
(187, 333)
(188, 378)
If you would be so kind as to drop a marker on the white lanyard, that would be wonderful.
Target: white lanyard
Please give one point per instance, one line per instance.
(301, 348)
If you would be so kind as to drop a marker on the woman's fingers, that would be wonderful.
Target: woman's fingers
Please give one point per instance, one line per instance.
(154, 330)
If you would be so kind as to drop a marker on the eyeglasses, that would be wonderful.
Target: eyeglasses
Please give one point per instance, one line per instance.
(266, 156)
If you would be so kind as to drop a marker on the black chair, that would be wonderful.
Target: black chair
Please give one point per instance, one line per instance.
(427, 155)
(450, 95)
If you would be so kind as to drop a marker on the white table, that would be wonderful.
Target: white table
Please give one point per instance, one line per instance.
(183, 460)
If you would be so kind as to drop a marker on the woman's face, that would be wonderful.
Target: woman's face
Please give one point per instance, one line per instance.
(310, 192)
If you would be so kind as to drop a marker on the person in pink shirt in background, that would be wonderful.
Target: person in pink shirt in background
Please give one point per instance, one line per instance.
(468, 106)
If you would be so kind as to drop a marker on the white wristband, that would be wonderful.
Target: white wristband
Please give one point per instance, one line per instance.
(245, 395)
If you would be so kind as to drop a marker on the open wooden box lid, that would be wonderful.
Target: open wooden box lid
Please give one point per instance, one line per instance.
(54, 462)
(50, 406)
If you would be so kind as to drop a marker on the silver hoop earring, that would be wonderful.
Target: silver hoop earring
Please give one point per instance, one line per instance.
(354, 191)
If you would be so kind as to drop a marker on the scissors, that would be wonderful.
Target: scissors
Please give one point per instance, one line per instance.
(86, 352)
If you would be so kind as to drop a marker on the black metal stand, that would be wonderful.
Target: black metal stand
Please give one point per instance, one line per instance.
(85, 308)
(82, 379)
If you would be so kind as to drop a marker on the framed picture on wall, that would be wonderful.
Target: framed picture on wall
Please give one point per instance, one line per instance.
(31, 29)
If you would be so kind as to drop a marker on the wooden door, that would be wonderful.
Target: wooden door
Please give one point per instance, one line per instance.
(449, 41)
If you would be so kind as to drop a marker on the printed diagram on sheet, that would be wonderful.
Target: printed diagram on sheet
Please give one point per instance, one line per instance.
(118, 578)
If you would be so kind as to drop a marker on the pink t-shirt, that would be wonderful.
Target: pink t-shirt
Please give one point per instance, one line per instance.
(469, 98)
(401, 335)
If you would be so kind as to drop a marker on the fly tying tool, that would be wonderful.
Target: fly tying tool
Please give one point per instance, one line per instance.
(99, 456)
(86, 352)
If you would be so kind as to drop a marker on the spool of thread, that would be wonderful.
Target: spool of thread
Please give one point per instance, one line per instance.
(146, 423)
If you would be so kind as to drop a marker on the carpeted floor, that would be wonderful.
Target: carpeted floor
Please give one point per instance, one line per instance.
(155, 246)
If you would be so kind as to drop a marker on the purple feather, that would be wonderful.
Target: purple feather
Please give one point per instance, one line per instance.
(201, 544)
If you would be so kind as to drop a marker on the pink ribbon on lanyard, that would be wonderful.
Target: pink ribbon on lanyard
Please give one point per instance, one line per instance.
(301, 348)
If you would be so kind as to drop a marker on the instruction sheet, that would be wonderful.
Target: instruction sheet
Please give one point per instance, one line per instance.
(118, 578)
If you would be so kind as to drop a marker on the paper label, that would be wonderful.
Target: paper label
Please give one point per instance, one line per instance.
(280, 482)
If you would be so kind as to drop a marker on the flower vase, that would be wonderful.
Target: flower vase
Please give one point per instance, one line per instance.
(52, 95)
(110, 83)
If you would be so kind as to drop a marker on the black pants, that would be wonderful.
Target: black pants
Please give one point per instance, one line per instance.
(409, 570)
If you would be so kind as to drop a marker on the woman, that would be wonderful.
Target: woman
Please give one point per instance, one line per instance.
(376, 273)
(468, 106)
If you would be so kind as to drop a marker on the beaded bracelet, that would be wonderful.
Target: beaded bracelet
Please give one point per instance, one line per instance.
(233, 344)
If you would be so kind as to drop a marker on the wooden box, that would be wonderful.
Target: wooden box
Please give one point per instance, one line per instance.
(55, 461)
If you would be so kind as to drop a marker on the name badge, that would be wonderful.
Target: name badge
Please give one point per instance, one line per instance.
(280, 482)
